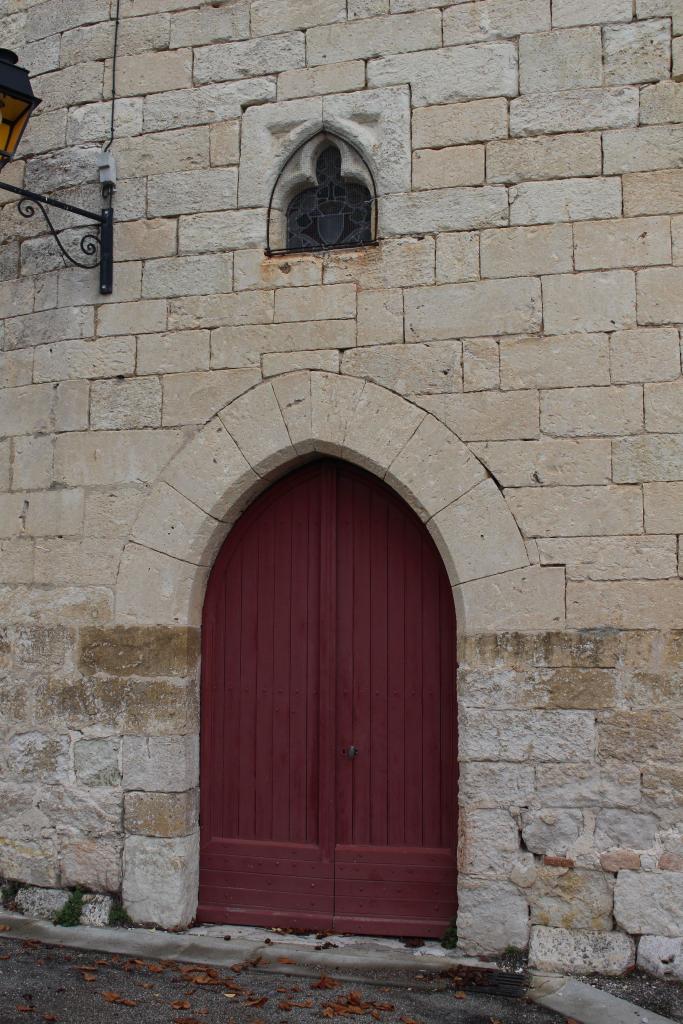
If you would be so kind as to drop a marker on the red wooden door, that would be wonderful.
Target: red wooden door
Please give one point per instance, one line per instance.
(328, 714)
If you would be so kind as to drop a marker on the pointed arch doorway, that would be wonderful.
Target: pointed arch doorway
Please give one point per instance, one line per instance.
(328, 765)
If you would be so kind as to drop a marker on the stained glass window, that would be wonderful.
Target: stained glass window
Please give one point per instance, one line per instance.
(336, 213)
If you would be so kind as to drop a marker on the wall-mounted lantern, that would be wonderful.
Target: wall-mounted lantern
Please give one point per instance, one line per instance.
(17, 103)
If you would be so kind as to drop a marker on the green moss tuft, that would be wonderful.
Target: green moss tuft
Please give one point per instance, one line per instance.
(450, 939)
(8, 893)
(118, 916)
(70, 914)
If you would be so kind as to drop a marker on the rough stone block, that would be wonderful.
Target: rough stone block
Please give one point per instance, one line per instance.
(480, 365)
(455, 124)
(491, 916)
(578, 110)
(543, 158)
(489, 844)
(520, 736)
(41, 903)
(191, 192)
(660, 295)
(167, 764)
(177, 352)
(457, 257)
(37, 757)
(327, 302)
(662, 103)
(396, 263)
(346, 76)
(473, 310)
(612, 558)
(590, 12)
(408, 368)
(380, 317)
(642, 149)
(448, 209)
(648, 354)
(664, 508)
(590, 301)
(661, 956)
(96, 911)
(96, 762)
(588, 785)
(577, 511)
(551, 831)
(636, 604)
(560, 60)
(657, 458)
(489, 19)
(637, 242)
(575, 412)
(328, 44)
(269, 16)
(572, 898)
(123, 404)
(210, 24)
(625, 829)
(216, 105)
(113, 456)
(66, 360)
(158, 72)
(224, 62)
(637, 52)
(572, 199)
(139, 651)
(565, 361)
(523, 252)
(165, 815)
(160, 880)
(653, 192)
(559, 951)
(92, 863)
(664, 407)
(449, 167)
(650, 903)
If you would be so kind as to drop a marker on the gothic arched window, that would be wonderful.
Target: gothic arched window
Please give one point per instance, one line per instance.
(324, 199)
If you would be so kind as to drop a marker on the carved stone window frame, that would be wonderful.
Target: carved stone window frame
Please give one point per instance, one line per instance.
(299, 173)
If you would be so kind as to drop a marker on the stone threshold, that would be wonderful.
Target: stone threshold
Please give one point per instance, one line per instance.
(581, 1002)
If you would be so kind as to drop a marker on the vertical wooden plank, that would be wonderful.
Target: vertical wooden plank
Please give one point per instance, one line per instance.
(284, 698)
(397, 670)
(377, 733)
(414, 610)
(433, 710)
(361, 644)
(345, 658)
(328, 660)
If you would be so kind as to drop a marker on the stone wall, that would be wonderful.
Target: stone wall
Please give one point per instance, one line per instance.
(525, 303)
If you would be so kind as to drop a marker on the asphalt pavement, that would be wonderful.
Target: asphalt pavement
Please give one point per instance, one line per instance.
(62, 986)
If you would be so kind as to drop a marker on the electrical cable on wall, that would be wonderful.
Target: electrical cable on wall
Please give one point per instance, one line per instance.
(117, 21)
(105, 160)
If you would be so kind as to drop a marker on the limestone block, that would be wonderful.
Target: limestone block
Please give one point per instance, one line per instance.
(480, 365)
(491, 916)
(168, 764)
(662, 103)
(254, 270)
(677, 58)
(473, 310)
(41, 903)
(488, 415)
(574, 899)
(591, 12)
(660, 295)
(209, 24)
(36, 757)
(625, 828)
(346, 76)
(664, 508)
(664, 406)
(196, 397)
(653, 192)
(434, 469)
(96, 762)
(448, 209)
(473, 72)
(559, 60)
(112, 512)
(650, 903)
(457, 257)
(53, 513)
(368, 8)
(620, 860)
(489, 843)
(32, 466)
(382, 423)
(96, 910)
(560, 951)
(454, 124)
(526, 599)
(255, 422)
(565, 361)
(158, 72)
(58, 88)
(329, 44)
(561, 688)
(542, 158)
(584, 412)
(577, 110)
(92, 863)
(396, 263)
(241, 347)
(408, 368)
(661, 956)
(224, 141)
(637, 52)
(174, 151)
(590, 301)
(380, 317)
(636, 604)
(16, 561)
(325, 302)
(293, 393)
(76, 561)
(333, 404)
(51, 326)
(612, 558)
(477, 535)
(483, 784)
(677, 236)
(187, 275)
(522, 252)
(65, 360)
(217, 232)
(489, 19)
(587, 785)
(156, 589)
(287, 362)
(92, 122)
(178, 352)
(224, 62)
(208, 104)
(160, 880)
(113, 457)
(75, 286)
(551, 831)
(577, 511)
(191, 192)
(541, 202)
(449, 167)
(520, 736)
(642, 149)
(63, 16)
(13, 511)
(121, 404)
(68, 605)
(637, 242)
(145, 317)
(166, 815)
(648, 458)
(17, 297)
(16, 368)
(173, 524)
(221, 310)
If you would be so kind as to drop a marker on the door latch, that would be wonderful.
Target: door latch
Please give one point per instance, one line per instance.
(351, 753)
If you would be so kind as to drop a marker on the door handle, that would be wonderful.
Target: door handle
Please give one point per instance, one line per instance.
(351, 752)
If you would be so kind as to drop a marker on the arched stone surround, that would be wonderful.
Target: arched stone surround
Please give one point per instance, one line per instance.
(201, 493)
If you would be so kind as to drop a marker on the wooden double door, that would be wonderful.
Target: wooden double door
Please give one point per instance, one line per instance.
(328, 768)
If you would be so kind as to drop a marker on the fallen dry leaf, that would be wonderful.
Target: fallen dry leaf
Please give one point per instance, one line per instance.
(285, 960)
(460, 995)
(50, 1018)
(89, 977)
(181, 1004)
(326, 982)
(24, 1009)
(256, 1001)
(4, 927)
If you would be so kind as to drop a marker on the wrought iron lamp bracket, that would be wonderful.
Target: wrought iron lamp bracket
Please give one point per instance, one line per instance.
(98, 244)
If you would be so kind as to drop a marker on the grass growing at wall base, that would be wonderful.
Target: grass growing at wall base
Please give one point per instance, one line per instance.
(118, 916)
(70, 914)
(8, 893)
(450, 939)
